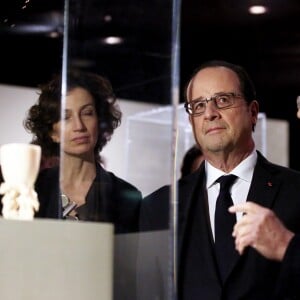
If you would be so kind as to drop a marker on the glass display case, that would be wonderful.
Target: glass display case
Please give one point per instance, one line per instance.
(136, 45)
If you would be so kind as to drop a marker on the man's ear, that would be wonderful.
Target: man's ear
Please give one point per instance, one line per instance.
(254, 109)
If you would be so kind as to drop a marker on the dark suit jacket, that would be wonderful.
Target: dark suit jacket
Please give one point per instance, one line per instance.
(252, 276)
(110, 199)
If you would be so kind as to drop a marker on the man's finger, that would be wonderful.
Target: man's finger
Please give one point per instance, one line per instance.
(247, 207)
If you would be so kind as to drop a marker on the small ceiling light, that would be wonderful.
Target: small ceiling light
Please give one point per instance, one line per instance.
(113, 40)
(54, 34)
(257, 9)
(107, 18)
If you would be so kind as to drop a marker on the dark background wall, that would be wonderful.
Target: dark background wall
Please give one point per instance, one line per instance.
(139, 67)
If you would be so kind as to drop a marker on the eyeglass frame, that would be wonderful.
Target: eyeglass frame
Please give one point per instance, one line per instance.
(188, 109)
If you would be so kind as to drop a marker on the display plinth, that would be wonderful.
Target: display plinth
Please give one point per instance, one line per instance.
(52, 259)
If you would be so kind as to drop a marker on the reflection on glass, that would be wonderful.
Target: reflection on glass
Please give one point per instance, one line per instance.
(130, 44)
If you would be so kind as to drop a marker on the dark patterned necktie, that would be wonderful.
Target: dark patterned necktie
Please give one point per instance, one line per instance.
(224, 222)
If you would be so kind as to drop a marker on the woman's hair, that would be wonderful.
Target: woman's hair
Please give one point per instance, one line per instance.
(47, 111)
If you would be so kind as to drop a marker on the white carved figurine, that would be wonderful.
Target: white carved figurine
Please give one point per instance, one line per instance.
(18, 202)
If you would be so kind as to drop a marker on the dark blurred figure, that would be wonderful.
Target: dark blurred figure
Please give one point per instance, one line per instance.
(191, 160)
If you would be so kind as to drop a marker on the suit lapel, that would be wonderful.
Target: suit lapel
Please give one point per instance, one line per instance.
(265, 185)
(190, 190)
(187, 188)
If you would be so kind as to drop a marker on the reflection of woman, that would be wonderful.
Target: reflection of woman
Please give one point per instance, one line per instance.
(91, 115)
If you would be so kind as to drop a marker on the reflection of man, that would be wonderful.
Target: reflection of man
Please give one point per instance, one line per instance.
(220, 100)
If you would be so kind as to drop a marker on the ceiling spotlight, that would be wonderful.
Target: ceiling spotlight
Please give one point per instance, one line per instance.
(258, 9)
(107, 18)
(113, 40)
(54, 34)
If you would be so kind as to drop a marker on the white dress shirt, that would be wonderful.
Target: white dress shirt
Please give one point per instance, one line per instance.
(239, 190)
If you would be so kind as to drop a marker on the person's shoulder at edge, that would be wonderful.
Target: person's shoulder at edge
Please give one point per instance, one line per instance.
(119, 184)
(155, 206)
(127, 199)
(47, 177)
(155, 210)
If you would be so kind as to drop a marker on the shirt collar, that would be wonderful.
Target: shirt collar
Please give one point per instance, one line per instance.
(244, 170)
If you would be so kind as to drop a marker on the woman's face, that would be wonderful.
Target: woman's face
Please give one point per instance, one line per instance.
(80, 126)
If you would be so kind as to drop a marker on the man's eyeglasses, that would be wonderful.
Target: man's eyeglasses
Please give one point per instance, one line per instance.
(222, 100)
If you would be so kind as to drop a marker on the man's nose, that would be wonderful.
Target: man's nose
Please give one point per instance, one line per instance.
(211, 110)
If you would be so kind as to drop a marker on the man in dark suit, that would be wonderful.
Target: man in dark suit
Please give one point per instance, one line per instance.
(222, 107)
